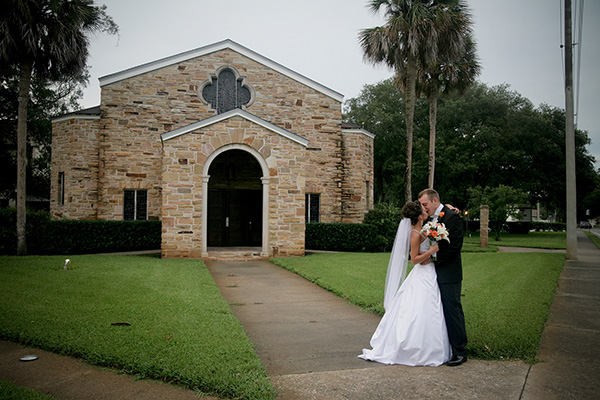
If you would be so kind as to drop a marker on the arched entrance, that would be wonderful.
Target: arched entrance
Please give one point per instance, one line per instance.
(235, 204)
(235, 200)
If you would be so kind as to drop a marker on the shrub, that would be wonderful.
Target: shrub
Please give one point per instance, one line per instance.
(8, 232)
(548, 226)
(46, 236)
(518, 227)
(343, 237)
(85, 237)
(386, 218)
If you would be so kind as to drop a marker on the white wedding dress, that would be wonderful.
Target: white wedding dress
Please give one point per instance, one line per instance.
(412, 330)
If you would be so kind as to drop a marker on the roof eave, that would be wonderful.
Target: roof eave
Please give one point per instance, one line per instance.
(225, 44)
(230, 114)
(362, 131)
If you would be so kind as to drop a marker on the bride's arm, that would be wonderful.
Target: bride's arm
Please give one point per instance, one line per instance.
(415, 241)
(450, 206)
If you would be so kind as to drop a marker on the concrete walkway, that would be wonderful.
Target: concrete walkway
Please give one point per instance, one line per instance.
(309, 340)
(570, 347)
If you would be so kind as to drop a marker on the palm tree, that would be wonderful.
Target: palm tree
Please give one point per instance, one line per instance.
(409, 40)
(456, 73)
(47, 38)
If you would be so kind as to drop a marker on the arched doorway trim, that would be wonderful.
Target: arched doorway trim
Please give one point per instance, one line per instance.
(265, 188)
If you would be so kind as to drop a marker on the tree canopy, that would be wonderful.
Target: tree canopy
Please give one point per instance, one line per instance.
(49, 39)
(47, 99)
(489, 136)
(502, 200)
(417, 35)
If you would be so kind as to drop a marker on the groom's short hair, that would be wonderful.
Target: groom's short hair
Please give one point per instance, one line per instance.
(431, 194)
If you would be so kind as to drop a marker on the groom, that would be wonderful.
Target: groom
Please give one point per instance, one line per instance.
(449, 273)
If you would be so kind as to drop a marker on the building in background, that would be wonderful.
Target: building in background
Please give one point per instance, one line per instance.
(232, 151)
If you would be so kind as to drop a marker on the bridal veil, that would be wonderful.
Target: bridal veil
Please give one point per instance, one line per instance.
(398, 264)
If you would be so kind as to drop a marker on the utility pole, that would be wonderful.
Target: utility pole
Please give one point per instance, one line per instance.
(570, 139)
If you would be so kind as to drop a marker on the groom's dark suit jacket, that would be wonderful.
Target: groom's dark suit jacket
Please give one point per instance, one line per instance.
(449, 275)
(449, 264)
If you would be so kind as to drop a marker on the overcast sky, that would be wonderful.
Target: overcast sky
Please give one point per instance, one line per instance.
(518, 43)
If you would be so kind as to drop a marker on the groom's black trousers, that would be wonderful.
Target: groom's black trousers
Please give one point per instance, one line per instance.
(455, 318)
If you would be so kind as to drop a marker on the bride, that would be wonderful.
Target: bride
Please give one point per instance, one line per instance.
(412, 330)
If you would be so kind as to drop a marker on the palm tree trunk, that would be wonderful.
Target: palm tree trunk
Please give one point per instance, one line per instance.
(24, 82)
(410, 117)
(432, 131)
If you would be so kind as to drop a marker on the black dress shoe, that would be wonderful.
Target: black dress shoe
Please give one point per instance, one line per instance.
(457, 360)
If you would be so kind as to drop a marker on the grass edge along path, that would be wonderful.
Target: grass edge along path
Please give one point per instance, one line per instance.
(9, 391)
(162, 319)
(506, 296)
(594, 238)
(534, 240)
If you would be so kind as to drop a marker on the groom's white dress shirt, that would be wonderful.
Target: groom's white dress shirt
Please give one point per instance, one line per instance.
(437, 212)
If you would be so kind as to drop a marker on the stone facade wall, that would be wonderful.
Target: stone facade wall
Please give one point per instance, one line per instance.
(123, 150)
(75, 154)
(184, 161)
(137, 110)
(357, 188)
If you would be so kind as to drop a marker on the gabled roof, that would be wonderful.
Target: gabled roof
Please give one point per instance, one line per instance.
(351, 128)
(88, 113)
(230, 114)
(225, 44)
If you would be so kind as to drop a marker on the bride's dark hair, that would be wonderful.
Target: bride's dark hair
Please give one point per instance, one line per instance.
(412, 210)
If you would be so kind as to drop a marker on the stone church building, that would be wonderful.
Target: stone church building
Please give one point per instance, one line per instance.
(232, 151)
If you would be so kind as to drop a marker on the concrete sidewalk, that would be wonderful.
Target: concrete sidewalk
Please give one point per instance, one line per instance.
(570, 347)
(309, 340)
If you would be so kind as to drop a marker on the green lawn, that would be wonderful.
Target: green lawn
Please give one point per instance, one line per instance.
(165, 319)
(594, 238)
(506, 295)
(8, 391)
(540, 240)
(179, 328)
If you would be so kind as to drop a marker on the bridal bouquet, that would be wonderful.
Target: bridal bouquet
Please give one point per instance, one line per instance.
(435, 231)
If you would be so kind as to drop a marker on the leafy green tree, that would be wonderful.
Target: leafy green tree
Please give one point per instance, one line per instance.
(376, 109)
(489, 136)
(503, 201)
(46, 99)
(409, 40)
(494, 136)
(591, 202)
(454, 74)
(49, 37)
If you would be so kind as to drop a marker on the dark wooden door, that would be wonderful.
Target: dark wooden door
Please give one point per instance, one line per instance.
(234, 217)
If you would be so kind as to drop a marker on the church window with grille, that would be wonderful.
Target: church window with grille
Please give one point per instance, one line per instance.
(135, 205)
(226, 91)
(312, 207)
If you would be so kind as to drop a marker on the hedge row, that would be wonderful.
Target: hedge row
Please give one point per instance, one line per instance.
(378, 231)
(344, 237)
(517, 227)
(525, 227)
(548, 226)
(46, 236)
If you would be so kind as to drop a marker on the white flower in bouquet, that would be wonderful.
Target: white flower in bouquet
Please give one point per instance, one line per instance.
(435, 231)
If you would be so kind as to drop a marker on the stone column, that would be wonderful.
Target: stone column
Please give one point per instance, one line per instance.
(204, 237)
(484, 220)
(265, 217)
